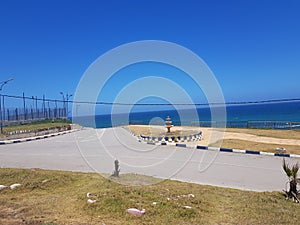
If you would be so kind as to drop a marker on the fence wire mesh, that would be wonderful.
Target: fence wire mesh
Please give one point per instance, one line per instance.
(20, 109)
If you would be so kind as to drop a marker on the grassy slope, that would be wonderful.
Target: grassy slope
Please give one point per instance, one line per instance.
(57, 197)
(43, 124)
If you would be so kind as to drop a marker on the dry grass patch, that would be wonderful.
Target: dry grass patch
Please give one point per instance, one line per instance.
(267, 140)
(283, 134)
(56, 197)
(37, 125)
(258, 146)
(35, 128)
(161, 130)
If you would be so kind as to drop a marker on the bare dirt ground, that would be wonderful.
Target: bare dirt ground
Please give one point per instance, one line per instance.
(161, 130)
(255, 139)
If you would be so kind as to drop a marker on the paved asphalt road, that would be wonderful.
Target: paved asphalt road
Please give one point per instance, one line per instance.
(95, 150)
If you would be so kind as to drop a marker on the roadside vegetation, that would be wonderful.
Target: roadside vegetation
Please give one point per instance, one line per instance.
(292, 172)
(36, 126)
(283, 134)
(258, 146)
(238, 143)
(262, 146)
(57, 197)
(160, 130)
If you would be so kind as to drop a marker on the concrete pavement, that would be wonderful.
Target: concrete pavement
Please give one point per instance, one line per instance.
(94, 150)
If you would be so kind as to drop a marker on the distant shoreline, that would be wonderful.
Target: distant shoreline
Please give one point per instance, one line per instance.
(284, 115)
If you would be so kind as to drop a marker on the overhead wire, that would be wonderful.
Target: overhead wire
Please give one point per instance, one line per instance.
(156, 104)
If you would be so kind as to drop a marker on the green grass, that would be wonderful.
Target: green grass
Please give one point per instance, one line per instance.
(57, 197)
(37, 125)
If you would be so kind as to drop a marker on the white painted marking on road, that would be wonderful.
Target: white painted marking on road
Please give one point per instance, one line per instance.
(238, 151)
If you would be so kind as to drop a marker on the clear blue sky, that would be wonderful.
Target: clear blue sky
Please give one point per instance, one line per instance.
(253, 47)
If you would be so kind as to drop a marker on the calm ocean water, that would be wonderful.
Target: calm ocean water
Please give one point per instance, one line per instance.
(237, 116)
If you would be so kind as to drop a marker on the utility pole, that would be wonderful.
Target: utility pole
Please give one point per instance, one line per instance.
(67, 106)
(24, 107)
(64, 106)
(55, 111)
(1, 118)
(44, 107)
(65, 103)
(3, 107)
(36, 107)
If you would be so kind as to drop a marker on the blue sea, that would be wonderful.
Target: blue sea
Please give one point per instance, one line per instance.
(270, 115)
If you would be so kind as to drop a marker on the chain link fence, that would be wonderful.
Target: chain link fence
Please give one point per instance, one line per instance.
(21, 109)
